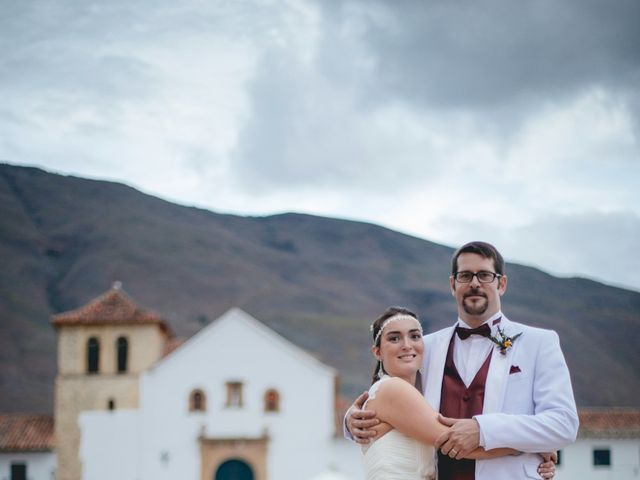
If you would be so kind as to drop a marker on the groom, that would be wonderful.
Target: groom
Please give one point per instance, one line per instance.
(497, 383)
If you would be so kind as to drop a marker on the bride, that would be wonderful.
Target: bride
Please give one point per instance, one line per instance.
(402, 447)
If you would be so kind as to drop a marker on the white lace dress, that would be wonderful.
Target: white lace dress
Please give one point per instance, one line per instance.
(395, 456)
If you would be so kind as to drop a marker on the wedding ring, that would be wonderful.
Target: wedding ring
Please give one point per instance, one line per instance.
(455, 452)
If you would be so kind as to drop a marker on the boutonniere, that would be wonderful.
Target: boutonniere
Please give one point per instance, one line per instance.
(504, 341)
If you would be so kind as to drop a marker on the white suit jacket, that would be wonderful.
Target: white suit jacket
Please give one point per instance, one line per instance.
(532, 410)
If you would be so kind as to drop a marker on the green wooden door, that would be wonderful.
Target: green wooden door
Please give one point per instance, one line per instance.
(234, 470)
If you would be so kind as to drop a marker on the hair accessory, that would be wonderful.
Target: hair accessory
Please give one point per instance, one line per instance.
(400, 316)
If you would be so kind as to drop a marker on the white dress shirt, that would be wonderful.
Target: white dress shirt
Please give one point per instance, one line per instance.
(470, 354)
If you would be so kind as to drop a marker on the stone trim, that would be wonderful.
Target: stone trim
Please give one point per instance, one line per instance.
(215, 451)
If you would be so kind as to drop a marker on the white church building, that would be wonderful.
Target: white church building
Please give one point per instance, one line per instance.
(234, 402)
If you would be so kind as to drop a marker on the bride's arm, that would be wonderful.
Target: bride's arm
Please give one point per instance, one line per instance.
(399, 404)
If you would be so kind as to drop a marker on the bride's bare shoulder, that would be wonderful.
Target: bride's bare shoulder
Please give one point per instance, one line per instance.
(395, 386)
(395, 397)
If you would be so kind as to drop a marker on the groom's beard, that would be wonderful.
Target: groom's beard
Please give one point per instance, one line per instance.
(477, 307)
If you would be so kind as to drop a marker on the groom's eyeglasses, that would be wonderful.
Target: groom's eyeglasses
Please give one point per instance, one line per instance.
(483, 277)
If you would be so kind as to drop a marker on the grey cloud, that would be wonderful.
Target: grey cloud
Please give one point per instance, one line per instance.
(71, 48)
(108, 53)
(481, 54)
(86, 65)
(288, 139)
(495, 64)
(304, 131)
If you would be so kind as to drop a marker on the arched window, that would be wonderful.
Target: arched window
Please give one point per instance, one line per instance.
(271, 401)
(111, 404)
(93, 355)
(197, 401)
(122, 349)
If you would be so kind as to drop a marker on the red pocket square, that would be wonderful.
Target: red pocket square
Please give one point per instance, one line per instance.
(514, 369)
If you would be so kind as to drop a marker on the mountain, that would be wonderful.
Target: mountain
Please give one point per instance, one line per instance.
(317, 281)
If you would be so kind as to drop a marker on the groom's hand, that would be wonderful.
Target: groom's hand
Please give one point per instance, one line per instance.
(547, 469)
(462, 438)
(360, 422)
(549, 457)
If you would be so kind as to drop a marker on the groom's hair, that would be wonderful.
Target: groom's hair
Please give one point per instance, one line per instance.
(483, 249)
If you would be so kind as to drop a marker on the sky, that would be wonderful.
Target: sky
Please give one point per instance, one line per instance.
(512, 122)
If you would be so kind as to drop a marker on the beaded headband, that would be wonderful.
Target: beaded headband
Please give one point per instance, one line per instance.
(399, 316)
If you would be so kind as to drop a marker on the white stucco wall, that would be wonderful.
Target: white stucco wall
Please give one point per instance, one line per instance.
(110, 445)
(577, 460)
(238, 348)
(40, 465)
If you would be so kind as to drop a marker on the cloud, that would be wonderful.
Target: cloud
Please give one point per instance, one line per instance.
(123, 91)
(305, 130)
(401, 92)
(477, 55)
(598, 245)
(592, 244)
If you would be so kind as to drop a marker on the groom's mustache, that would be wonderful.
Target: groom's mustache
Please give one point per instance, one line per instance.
(475, 292)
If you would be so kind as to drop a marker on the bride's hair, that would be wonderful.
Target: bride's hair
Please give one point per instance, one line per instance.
(375, 329)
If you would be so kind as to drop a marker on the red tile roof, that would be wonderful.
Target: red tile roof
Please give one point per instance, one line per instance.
(112, 307)
(609, 423)
(171, 344)
(26, 432)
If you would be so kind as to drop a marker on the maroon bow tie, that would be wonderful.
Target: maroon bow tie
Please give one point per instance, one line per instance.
(464, 333)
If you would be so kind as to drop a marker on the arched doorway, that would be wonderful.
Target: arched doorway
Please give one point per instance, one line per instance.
(234, 470)
(224, 458)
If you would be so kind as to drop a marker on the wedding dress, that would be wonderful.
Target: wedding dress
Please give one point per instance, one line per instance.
(394, 456)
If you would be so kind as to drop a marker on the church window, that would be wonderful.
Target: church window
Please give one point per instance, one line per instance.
(602, 457)
(234, 394)
(18, 471)
(271, 401)
(93, 355)
(197, 401)
(122, 348)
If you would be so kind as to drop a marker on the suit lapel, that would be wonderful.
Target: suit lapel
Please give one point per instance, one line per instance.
(435, 371)
(495, 386)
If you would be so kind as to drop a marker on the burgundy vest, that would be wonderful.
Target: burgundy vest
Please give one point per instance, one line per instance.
(458, 401)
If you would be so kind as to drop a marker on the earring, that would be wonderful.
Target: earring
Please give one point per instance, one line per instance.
(380, 370)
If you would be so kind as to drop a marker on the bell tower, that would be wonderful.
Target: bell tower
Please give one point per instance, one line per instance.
(103, 347)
